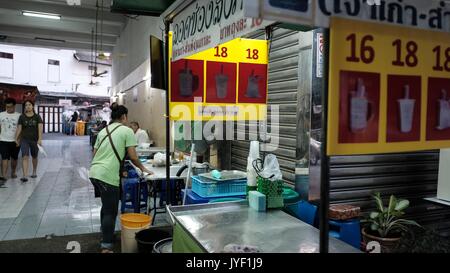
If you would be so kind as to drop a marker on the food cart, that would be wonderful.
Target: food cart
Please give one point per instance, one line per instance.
(349, 82)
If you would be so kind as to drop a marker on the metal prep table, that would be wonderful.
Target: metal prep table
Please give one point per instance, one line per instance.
(156, 179)
(149, 151)
(210, 227)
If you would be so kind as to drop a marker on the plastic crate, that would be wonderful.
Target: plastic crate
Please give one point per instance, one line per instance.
(193, 198)
(209, 188)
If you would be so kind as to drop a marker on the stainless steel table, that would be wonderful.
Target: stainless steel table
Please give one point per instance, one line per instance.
(150, 150)
(155, 181)
(213, 226)
(159, 173)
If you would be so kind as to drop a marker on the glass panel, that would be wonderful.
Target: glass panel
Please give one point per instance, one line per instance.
(7, 67)
(53, 73)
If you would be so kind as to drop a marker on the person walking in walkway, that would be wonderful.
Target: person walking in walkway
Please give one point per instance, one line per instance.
(9, 120)
(141, 135)
(29, 136)
(73, 123)
(113, 143)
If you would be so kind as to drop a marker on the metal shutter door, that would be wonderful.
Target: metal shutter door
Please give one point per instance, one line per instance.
(353, 179)
(283, 85)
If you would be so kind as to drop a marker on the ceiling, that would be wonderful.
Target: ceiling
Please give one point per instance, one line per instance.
(73, 31)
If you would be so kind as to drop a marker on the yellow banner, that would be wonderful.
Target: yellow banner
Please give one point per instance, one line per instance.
(227, 82)
(389, 89)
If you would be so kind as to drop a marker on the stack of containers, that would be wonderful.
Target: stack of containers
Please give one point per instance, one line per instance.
(251, 173)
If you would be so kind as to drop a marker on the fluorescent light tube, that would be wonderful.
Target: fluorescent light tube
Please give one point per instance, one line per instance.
(42, 15)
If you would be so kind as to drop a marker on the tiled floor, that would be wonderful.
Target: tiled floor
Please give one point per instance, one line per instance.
(58, 201)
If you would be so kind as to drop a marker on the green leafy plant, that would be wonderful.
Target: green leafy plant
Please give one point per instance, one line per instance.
(387, 221)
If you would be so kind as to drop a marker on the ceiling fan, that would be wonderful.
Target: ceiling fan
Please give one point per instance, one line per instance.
(101, 74)
(95, 54)
(92, 83)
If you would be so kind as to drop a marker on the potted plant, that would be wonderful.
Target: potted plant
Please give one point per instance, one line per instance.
(386, 225)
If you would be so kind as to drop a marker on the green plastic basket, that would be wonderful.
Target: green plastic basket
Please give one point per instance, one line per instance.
(273, 191)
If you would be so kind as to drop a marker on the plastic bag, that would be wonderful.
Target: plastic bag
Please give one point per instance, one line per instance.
(84, 174)
(41, 149)
(271, 169)
(159, 159)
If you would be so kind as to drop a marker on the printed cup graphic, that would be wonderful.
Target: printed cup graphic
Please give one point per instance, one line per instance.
(359, 108)
(406, 106)
(444, 112)
(252, 87)
(221, 85)
(188, 82)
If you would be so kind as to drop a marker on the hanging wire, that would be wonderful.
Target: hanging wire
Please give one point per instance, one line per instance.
(258, 165)
(101, 32)
(92, 51)
(96, 33)
(269, 37)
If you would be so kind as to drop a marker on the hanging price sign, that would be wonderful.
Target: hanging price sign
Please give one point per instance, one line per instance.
(389, 89)
(227, 82)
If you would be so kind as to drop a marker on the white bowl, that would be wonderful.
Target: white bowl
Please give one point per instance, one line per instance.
(145, 145)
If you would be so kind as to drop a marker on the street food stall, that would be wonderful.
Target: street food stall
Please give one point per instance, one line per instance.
(208, 55)
(362, 105)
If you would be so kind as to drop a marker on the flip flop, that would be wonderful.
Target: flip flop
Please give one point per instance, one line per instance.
(2, 178)
(13, 176)
(24, 179)
(33, 176)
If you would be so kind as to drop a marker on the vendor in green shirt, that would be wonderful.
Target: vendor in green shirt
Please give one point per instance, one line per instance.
(105, 169)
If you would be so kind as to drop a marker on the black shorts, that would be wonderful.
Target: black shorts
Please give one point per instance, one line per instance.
(29, 147)
(9, 150)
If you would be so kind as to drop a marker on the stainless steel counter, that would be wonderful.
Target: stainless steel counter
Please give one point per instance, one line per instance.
(148, 151)
(216, 225)
(159, 173)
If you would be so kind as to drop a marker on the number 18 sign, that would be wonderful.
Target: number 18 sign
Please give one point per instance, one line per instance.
(389, 89)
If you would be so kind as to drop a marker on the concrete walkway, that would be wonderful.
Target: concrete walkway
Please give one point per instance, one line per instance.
(58, 201)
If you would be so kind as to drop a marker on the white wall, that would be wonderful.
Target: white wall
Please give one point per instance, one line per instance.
(131, 67)
(133, 46)
(30, 68)
(148, 107)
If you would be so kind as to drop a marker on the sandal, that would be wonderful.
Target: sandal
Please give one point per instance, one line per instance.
(24, 179)
(33, 176)
(13, 176)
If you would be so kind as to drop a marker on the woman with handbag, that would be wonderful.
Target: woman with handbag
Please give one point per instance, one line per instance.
(113, 143)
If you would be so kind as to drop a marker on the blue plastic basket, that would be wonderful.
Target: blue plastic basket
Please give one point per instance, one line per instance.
(210, 188)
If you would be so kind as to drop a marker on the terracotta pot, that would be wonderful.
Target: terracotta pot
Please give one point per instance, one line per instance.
(388, 245)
